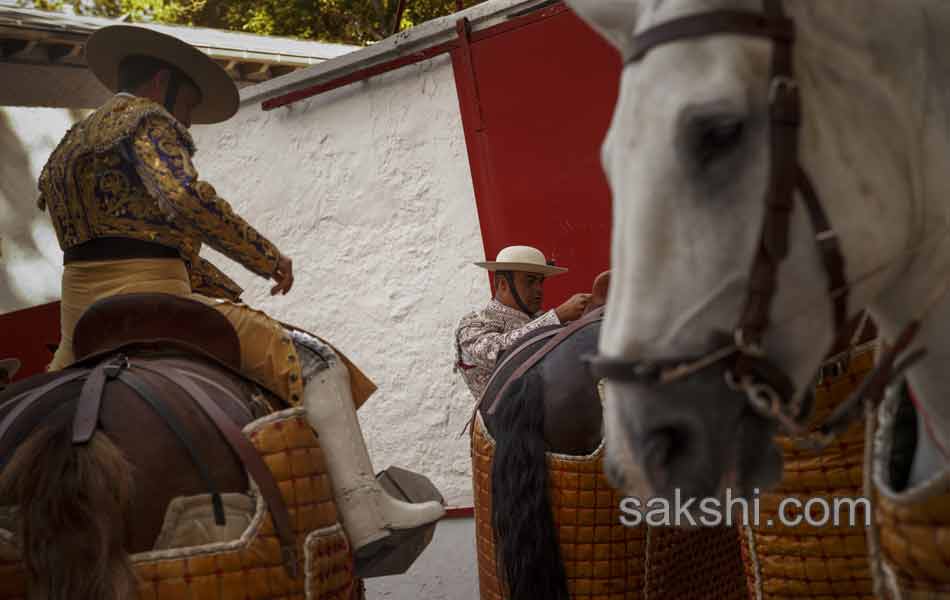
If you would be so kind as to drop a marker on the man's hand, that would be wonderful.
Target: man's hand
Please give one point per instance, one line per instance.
(573, 308)
(283, 275)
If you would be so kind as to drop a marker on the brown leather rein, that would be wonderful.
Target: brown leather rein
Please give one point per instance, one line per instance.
(769, 390)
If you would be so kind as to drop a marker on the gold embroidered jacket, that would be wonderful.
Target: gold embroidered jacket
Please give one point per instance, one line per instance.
(126, 171)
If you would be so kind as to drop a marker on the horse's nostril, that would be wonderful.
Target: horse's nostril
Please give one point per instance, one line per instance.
(660, 449)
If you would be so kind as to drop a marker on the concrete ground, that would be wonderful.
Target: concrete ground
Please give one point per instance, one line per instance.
(446, 570)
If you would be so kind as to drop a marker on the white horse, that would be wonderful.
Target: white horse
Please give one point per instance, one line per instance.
(687, 157)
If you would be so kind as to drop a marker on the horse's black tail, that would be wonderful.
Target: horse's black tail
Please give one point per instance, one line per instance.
(526, 541)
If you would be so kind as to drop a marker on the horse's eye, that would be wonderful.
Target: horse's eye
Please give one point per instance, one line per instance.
(713, 139)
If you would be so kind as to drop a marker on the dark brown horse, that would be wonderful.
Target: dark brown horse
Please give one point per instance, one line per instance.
(84, 508)
(153, 411)
(547, 421)
(553, 406)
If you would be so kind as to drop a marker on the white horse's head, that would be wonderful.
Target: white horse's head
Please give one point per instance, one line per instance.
(687, 158)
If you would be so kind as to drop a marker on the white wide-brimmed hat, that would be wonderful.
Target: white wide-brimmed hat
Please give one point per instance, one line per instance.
(9, 367)
(522, 258)
(109, 46)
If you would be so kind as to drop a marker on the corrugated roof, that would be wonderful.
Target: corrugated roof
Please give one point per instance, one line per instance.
(213, 41)
(44, 51)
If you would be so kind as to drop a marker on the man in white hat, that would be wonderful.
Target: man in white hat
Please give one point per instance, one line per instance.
(131, 214)
(520, 272)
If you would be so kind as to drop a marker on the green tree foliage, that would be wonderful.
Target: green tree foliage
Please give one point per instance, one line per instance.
(357, 22)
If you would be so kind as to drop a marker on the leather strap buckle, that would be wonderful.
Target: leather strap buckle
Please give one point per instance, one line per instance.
(785, 102)
(782, 84)
(114, 367)
(745, 345)
(832, 370)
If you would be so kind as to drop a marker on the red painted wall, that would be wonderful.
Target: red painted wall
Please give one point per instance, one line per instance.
(536, 102)
(25, 334)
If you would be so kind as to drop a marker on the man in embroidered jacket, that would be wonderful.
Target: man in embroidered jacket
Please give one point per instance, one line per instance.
(131, 214)
(481, 336)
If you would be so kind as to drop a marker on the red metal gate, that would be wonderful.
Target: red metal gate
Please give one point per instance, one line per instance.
(536, 98)
(28, 335)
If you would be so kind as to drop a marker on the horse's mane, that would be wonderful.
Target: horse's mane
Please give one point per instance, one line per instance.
(527, 338)
(501, 375)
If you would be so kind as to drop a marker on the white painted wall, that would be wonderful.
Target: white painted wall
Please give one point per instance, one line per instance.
(368, 190)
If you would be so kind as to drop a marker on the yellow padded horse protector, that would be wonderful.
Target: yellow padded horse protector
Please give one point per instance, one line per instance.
(826, 562)
(603, 559)
(249, 568)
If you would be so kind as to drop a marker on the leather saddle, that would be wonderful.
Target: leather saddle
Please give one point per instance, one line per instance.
(155, 319)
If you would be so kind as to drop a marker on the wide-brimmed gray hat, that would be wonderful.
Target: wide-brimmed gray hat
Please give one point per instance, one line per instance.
(109, 46)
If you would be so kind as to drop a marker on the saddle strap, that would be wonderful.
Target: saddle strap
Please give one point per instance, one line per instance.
(511, 355)
(90, 399)
(149, 395)
(593, 316)
(24, 401)
(225, 392)
(249, 456)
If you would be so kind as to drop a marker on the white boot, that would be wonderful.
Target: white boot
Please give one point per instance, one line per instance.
(368, 512)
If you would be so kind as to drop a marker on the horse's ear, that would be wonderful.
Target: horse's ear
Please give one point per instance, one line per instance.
(614, 20)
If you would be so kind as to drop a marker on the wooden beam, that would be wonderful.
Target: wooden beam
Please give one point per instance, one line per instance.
(11, 48)
(262, 73)
(400, 9)
(232, 69)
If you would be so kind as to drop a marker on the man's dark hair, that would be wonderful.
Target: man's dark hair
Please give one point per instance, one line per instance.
(137, 69)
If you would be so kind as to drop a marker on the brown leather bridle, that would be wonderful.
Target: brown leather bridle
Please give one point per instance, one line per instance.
(769, 390)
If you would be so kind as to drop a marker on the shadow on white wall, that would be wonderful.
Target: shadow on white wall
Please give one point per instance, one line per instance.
(30, 258)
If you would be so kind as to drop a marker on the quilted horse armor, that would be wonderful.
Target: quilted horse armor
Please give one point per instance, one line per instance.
(252, 566)
(805, 562)
(604, 559)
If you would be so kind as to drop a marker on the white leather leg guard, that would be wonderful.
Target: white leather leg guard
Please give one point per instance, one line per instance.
(367, 511)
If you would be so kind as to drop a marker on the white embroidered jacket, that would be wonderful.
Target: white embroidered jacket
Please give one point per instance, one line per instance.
(481, 336)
